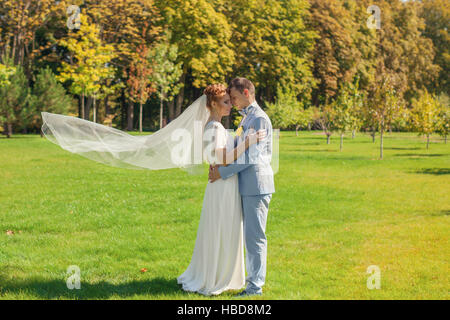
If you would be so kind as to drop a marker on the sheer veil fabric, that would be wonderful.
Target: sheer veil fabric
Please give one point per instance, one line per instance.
(177, 145)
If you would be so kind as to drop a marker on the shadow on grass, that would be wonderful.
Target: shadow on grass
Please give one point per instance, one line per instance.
(419, 155)
(442, 213)
(57, 289)
(400, 148)
(435, 171)
(321, 150)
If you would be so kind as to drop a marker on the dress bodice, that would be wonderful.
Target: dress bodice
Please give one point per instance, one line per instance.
(215, 136)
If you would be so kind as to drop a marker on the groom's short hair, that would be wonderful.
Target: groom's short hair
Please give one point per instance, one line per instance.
(240, 84)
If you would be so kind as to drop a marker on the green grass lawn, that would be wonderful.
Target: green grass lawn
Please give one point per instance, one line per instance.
(333, 215)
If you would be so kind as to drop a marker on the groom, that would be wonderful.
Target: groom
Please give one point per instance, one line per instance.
(255, 180)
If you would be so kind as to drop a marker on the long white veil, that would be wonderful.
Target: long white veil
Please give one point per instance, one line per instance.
(178, 145)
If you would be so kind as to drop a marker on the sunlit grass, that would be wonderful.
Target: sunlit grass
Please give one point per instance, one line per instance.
(333, 215)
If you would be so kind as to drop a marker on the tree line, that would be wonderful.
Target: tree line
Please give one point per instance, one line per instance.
(136, 64)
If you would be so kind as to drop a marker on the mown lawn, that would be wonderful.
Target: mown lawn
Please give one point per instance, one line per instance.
(333, 215)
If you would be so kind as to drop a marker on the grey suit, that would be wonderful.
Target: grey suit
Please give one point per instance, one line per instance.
(256, 186)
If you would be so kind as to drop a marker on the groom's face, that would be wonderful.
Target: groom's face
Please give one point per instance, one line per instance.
(239, 99)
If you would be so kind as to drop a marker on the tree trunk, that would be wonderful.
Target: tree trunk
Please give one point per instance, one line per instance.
(296, 130)
(161, 106)
(428, 140)
(171, 108)
(95, 111)
(180, 97)
(445, 139)
(381, 144)
(130, 116)
(9, 130)
(373, 136)
(353, 134)
(82, 107)
(140, 116)
(123, 113)
(342, 141)
(80, 114)
(88, 105)
(328, 138)
(107, 108)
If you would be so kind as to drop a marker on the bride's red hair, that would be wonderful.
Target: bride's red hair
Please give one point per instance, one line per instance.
(213, 92)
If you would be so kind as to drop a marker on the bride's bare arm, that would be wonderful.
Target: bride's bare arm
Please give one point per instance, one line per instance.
(232, 155)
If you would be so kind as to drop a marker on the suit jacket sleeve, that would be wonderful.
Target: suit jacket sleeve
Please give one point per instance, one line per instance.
(250, 157)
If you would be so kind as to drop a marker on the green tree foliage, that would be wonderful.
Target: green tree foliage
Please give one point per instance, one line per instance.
(386, 105)
(436, 14)
(347, 110)
(310, 48)
(442, 125)
(48, 95)
(88, 61)
(334, 51)
(323, 115)
(14, 98)
(166, 73)
(202, 35)
(287, 111)
(272, 45)
(404, 54)
(425, 115)
(5, 73)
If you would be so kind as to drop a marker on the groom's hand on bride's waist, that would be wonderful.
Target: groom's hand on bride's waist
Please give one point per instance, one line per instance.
(214, 173)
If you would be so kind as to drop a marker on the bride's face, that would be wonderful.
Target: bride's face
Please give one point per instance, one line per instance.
(223, 105)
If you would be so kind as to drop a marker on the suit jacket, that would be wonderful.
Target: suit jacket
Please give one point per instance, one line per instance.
(253, 167)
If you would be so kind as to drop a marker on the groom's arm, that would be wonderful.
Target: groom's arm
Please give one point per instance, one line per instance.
(231, 169)
(244, 162)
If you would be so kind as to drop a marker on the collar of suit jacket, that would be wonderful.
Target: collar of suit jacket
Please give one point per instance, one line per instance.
(248, 109)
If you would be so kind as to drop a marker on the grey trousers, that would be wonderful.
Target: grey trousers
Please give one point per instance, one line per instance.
(255, 209)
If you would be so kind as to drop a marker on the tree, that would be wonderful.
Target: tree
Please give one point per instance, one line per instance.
(272, 44)
(424, 114)
(125, 24)
(14, 97)
(48, 95)
(386, 105)
(287, 111)
(165, 74)
(334, 52)
(281, 112)
(324, 116)
(138, 82)
(342, 115)
(5, 73)
(203, 38)
(436, 14)
(88, 61)
(404, 54)
(20, 20)
(442, 125)
(302, 118)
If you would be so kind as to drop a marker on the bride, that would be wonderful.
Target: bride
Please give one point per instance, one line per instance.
(217, 262)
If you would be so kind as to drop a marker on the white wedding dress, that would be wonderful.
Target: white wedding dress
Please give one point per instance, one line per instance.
(217, 263)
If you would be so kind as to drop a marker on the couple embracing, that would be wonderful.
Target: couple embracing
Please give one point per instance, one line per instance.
(237, 196)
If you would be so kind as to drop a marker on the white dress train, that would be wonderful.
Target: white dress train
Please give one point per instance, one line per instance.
(217, 263)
